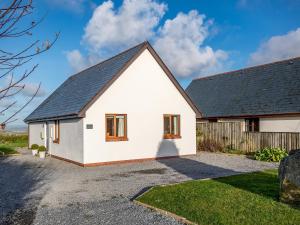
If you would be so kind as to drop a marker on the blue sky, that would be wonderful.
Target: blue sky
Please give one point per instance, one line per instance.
(195, 37)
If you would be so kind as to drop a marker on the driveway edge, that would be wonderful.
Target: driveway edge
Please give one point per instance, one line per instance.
(167, 213)
(162, 211)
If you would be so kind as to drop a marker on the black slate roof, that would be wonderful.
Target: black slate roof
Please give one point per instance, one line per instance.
(268, 89)
(78, 90)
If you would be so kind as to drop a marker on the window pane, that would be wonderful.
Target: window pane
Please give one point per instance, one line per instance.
(247, 125)
(56, 124)
(252, 124)
(120, 120)
(110, 126)
(175, 125)
(167, 127)
(256, 125)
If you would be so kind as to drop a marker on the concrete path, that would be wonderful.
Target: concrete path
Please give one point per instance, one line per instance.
(51, 191)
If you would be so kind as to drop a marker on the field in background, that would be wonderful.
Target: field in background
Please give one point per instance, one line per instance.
(9, 142)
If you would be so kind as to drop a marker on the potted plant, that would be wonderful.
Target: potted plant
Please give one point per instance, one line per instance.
(42, 152)
(34, 149)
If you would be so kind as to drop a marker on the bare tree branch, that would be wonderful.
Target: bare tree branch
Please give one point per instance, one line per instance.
(8, 107)
(23, 77)
(22, 107)
(15, 23)
(11, 68)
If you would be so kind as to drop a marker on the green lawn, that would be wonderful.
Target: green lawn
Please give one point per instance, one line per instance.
(241, 199)
(9, 143)
(7, 150)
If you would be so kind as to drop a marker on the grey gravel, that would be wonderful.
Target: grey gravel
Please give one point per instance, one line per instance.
(50, 191)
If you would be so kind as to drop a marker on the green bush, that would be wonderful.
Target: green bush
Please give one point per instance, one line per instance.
(34, 146)
(7, 150)
(270, 154)
(42, 148)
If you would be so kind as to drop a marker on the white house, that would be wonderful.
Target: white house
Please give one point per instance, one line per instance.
(265, 98)
(129, 107)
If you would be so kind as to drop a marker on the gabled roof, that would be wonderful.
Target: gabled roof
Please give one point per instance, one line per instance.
(267, 89)
(78, 92)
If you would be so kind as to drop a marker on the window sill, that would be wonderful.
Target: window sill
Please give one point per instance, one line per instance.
(172, 136)
(109, 139)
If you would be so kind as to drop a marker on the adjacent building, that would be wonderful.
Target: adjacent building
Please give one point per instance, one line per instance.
(265, 98)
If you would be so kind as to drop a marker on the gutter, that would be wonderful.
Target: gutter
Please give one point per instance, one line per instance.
(70, 116)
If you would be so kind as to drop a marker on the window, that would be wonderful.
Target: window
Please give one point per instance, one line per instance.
(56, 132)
(171, 126)
(116, 127)
(252, 125)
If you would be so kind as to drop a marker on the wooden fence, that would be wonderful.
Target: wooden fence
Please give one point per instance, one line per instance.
(231, 135)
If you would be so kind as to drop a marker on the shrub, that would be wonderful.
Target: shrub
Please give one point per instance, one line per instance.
(42, 148)
(7, 150)
(270, 154)
(16, 139)
(209, 146)
(34, 146)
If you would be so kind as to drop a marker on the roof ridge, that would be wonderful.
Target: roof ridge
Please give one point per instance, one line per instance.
(138, 47)
(247, 68)
(116, 75)
(114, 56)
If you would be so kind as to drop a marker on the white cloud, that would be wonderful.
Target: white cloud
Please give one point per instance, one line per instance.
(79, 62)
(133, 22)
(30, 89)
(277, 48)
(76, 60)
(180, 41)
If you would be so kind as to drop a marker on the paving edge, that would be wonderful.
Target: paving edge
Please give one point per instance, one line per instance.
(7, 155)
(167, 213)
(162, 211)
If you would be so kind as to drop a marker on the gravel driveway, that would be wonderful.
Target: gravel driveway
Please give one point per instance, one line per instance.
(51, 191)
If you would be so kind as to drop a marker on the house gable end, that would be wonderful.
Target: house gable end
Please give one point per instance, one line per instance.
(164, 68)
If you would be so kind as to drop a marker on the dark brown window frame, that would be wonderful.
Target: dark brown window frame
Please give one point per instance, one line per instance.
(56, 132)
(115, 137)
(169, 135)
(252, 125)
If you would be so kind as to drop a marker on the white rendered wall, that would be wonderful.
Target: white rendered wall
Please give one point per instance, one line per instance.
(36, 133)
(70, 144)
(280, 124)
(143, 92)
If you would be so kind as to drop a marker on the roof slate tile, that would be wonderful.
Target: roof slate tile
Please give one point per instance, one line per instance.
(69, 98)
(261, 90)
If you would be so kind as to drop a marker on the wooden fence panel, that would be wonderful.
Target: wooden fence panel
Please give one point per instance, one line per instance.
(231, 135)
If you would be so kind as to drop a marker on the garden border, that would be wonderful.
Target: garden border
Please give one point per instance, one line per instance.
(167, 213)
(162, 211)
(2, 154)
